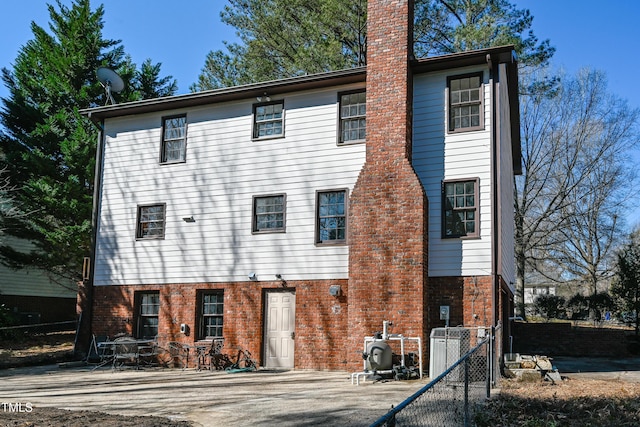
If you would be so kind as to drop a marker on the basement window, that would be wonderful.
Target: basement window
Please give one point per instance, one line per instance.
(210, 315)
(147, 310)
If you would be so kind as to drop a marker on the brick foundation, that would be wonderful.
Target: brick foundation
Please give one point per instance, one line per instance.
(469, 299)
(320, 318)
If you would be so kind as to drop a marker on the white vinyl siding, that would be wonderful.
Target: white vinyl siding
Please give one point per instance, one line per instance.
(438, 156)
(507, 221)
(226, 169)
(31, 281)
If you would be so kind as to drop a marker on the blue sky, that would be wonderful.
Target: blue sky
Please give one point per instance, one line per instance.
(177, 34)
(180, 34)
(585, 33)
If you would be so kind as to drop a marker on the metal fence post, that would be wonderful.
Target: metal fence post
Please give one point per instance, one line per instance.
(467, 422)
(490, 360)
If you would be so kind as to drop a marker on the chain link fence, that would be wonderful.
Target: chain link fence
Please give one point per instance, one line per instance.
(454, 396)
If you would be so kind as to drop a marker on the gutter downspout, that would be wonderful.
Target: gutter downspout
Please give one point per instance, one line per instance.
(86, 305)
(97, 201)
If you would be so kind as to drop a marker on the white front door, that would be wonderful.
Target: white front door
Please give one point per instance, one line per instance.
(279, 329)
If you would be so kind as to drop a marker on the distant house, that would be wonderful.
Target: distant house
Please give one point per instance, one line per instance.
(32, 296)
(293, 217)
(533, 291)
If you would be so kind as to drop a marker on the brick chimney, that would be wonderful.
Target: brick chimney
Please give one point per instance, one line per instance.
(388, 205)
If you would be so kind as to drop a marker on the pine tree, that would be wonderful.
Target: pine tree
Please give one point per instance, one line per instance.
(48, 147)
(285, 38)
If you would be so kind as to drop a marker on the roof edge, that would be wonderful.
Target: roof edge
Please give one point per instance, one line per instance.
(291, 84)
(307, 82)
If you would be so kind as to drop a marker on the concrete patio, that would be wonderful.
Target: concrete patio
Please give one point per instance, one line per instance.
(289, 398)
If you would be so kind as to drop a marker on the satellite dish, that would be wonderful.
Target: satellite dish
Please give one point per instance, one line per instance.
(111, 82)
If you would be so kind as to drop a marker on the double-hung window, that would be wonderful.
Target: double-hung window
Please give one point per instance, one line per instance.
(211, 314)
(460, 209)
(465, 102)
(268, 120)
(174, 139)
(353, 122)
(331, 217)
(269, 213)
(147, 310)
(151, 220)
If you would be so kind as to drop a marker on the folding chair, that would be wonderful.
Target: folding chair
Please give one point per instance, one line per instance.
(98, 353)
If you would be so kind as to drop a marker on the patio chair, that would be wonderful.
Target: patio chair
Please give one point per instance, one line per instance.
(217, 359)
(148, 352)
(125, 350)
(179, 354)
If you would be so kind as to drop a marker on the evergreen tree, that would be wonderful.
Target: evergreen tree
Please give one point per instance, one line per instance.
(449, 26)
(48, 147)
(626, 286)
(149, 84)
(285, 38)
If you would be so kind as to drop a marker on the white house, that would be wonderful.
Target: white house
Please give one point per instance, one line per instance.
(32, 295)
(293, 217)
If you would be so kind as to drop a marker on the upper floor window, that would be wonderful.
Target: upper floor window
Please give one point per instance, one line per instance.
(353, 122)
(147, 310)
(151, 219)
(269, 213)
(210, 314)
(465, 102)
(460, 208)
(174, 139)
(268, 120)
(331, 216)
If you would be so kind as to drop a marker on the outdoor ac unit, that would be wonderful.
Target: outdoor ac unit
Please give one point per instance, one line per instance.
(448, 345)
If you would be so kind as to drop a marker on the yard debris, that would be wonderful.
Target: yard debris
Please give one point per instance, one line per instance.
(530, 368)
(572, 403)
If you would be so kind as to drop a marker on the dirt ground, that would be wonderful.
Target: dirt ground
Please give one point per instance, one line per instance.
(39, 349)
(51, 417)
(571, 402)
(50, 348)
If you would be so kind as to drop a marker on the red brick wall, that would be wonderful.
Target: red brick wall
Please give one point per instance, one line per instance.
(388, 206)
(469, 300)
(320, 318)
